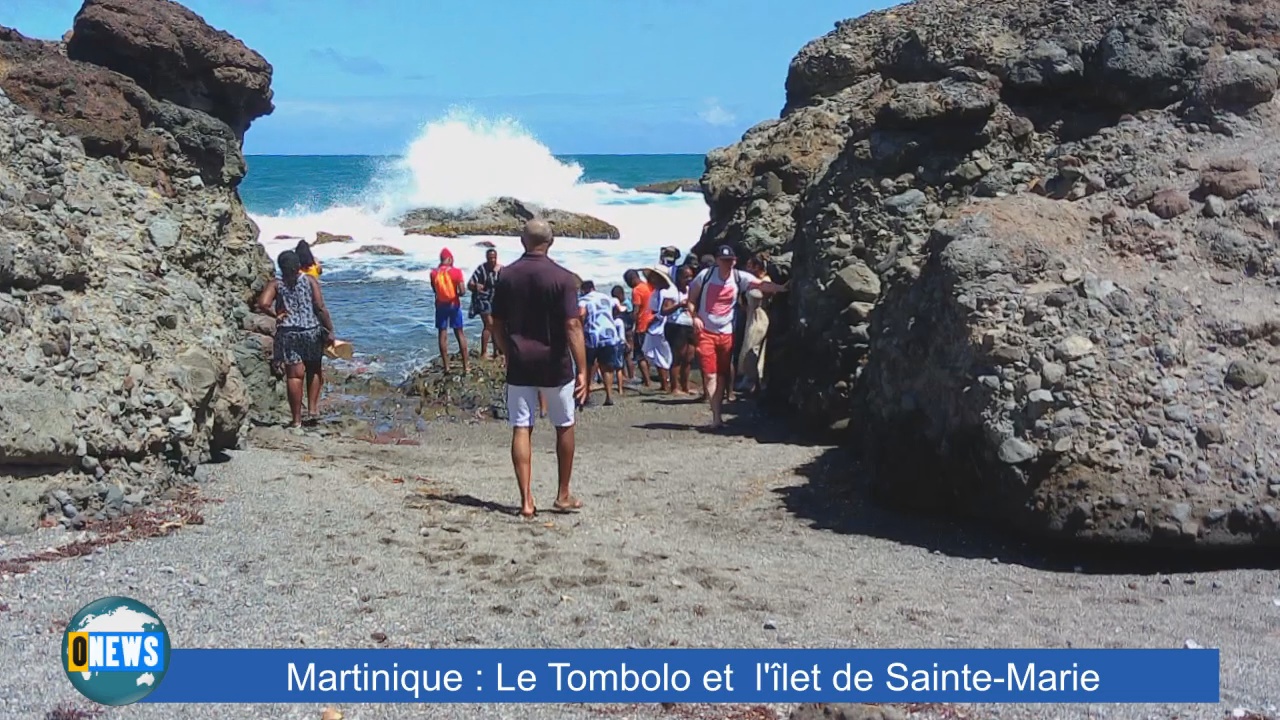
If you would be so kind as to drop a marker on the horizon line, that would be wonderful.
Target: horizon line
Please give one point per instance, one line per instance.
(386, 155)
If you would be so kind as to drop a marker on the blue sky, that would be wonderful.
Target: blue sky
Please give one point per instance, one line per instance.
(586, 76)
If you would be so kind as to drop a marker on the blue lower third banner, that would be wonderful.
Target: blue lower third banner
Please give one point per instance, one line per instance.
(692, 676)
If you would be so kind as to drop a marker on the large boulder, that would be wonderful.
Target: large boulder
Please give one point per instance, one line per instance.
(377, 250)
(1033, 276)
(504, 217)
(161, 143)
(128, 349)
(174, 55)
(35, 429)
(100, 107)
(122, 335)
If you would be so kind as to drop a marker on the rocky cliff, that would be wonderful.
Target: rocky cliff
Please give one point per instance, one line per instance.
(1034, 246)
(127, 261)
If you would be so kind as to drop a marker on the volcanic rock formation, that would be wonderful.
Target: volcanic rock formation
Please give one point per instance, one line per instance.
(669, 187)
(175, 56)
(504, 217)
(1032, 248)
(127, 262)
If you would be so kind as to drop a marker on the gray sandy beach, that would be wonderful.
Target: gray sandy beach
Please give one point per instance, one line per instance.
(686, 540)
(1031, 253)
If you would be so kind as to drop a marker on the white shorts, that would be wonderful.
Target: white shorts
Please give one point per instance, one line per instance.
(657, 351)
(522, 405)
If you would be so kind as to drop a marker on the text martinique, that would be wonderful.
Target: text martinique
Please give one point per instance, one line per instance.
(760, 677)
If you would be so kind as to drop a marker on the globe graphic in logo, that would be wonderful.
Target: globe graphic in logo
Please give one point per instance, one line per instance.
(115, 651)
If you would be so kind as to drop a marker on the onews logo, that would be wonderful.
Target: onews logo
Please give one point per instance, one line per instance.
(115, 651)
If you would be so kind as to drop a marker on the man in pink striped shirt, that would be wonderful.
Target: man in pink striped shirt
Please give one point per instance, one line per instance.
(713, 301)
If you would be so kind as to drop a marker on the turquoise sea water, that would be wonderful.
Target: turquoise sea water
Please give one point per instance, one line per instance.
(383, 304)
(288, 183)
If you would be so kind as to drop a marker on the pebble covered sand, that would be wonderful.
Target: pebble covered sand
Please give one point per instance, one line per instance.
(687, 540)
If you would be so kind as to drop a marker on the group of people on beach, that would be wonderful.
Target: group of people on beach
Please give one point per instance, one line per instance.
(559, 334)
(703, 313)
(557, 331)
(304, 328)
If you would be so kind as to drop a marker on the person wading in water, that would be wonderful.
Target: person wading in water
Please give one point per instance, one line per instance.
(538, 328)
(481, 285)
(303, 330)
(447, 282)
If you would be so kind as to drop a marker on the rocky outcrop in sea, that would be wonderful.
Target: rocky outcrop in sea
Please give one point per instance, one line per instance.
(1033, 249)
(127, 262)
(669, 187)
(504, 217)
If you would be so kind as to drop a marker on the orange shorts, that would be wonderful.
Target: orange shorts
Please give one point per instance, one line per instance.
(715, 353)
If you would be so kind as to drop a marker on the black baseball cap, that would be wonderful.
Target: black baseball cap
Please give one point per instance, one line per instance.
(724, 251)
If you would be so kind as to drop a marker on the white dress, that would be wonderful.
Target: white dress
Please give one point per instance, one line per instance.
(656, 348)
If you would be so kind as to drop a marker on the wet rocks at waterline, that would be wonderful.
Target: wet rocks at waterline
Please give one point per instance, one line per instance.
(504, 217)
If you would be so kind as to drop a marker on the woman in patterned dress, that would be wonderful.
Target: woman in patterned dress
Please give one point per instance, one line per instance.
(303, 330)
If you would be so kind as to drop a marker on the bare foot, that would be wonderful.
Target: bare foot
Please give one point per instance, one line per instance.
(528, 512)
(568, 504)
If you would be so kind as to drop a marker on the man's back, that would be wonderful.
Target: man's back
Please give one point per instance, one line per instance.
(640, 295)
(446, 282)
(600, 329)
(533, 299)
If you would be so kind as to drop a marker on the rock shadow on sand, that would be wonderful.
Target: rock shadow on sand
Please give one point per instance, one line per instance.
(837, 497)
(745, 421)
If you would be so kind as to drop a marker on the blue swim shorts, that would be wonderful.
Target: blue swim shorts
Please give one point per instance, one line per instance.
(449, 316)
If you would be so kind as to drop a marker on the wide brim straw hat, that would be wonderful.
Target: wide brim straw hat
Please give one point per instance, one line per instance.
(662, 280)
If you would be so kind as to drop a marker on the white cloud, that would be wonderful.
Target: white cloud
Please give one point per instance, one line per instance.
(714, 113)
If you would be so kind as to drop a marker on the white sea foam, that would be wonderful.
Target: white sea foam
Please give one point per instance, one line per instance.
(461, 161)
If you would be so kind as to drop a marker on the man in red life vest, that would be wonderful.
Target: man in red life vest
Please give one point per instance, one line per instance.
(449, 286)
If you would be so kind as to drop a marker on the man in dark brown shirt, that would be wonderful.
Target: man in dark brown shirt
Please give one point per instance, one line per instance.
(538, 330)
